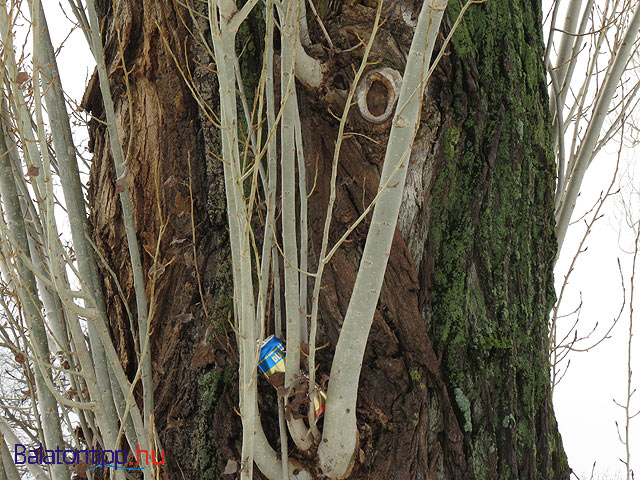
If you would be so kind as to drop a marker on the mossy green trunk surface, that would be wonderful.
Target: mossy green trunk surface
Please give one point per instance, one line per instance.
(492, 240)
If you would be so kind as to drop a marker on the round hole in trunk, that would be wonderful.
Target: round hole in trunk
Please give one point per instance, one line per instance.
(377, 98)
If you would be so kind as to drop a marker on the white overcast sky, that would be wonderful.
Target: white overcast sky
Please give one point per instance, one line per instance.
(583, 401)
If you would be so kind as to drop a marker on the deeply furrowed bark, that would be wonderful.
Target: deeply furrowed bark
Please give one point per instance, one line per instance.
(167, 132)
(455, 377)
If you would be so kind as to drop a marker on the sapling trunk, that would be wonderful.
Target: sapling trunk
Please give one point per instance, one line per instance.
(34, 469)
(269, 229)
(289, 34)
(25, 284)
(223, 37)
(7, 467)
(46, 64)
(339, 440)
(584, 155)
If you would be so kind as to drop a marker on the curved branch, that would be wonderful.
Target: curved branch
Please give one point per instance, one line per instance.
(339, 443)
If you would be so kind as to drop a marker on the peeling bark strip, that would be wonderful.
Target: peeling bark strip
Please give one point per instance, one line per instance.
(454, 381)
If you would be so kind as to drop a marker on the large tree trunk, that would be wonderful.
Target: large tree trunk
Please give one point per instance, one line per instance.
(455, 380)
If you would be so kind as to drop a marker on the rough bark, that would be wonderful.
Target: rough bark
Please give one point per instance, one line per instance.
(455, 379)
(189, 349)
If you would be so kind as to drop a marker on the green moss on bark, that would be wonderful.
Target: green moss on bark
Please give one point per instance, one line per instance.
(494, 243)
(210, 386)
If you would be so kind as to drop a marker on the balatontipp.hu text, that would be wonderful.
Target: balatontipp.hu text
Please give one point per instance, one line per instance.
(91, 456)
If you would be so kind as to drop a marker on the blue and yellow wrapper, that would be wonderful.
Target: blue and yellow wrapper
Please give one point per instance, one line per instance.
(271, 358)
